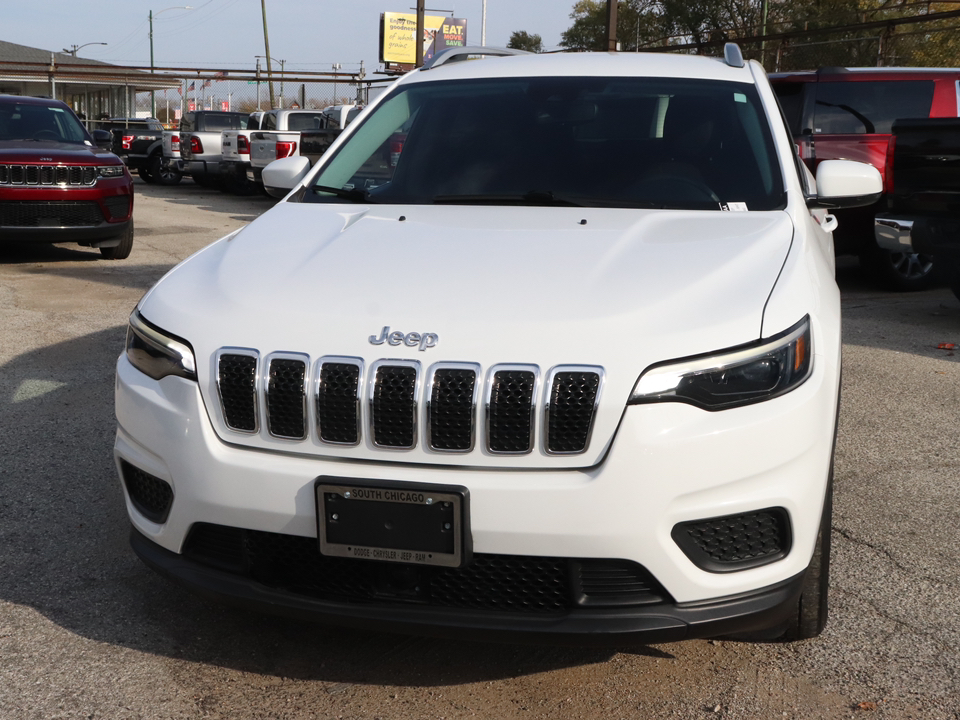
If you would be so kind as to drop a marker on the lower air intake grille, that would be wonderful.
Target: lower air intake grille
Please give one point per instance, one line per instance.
(286, 398)
(504, 583)
(50, 214)
(237, 384)
(118, 206)
(510, 416)
(735, 542)
(395, 406)
(573, 398)
(151, 496)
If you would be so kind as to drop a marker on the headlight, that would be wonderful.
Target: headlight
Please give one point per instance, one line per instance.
(735, 377)
(157, 354)
(109, 171)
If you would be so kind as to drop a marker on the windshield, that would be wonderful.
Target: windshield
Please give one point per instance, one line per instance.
(20, 121)
(617, 142)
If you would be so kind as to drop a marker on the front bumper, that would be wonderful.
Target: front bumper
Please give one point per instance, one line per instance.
(930, 235)
(765, 608)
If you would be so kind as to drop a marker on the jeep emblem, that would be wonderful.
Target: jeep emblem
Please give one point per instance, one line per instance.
(413, 339)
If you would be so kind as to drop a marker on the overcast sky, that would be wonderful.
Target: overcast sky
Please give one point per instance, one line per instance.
(307, 34)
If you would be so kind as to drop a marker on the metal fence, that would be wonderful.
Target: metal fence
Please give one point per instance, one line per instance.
(246, 94)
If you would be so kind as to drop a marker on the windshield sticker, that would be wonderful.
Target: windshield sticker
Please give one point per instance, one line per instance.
(735, 207)
(739, 97)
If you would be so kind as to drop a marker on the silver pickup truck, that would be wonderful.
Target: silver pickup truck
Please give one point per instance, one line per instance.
(279, 136)
(200, 143)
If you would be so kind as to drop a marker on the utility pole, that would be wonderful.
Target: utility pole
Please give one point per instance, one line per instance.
(612, 25)
(483, 24)
(266, 43)
(418, 40)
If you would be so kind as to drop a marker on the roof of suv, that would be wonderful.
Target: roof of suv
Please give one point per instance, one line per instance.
(587, 64)
(30, 100)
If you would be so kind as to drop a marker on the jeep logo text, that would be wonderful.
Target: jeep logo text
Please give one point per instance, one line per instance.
(424, 340)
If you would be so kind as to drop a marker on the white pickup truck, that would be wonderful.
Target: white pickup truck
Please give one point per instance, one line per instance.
(200, 143)
(235, 155)
(279, 134)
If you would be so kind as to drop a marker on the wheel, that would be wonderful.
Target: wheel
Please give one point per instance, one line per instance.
(121, 251)
(901, 272)
(204, 180)
(237, 184)
(955, 278)
(146, 175)
(810, 616)
(164, 174)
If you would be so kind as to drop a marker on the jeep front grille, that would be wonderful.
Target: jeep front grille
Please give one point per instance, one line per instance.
(451, 417)
(48, 174)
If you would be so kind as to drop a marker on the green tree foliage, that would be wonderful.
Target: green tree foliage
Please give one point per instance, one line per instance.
(637, 26)
(809, 26)
(522, 40)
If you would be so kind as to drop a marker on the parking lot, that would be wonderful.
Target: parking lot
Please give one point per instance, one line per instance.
(87, 631)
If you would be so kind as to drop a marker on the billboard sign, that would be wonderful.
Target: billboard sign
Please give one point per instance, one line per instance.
(398, 36)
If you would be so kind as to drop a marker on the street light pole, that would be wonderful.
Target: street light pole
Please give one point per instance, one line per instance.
(336, 68)
(74, 49)
(153, 97)
(266, 45)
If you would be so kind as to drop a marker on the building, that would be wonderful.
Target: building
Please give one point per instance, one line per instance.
(92, 88)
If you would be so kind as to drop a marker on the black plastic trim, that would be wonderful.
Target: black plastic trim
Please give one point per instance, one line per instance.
(763, 609)
(703, 560)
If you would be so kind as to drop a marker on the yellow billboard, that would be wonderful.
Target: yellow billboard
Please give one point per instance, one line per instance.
(398, 36)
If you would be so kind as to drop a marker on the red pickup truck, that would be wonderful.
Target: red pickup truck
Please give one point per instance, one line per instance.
(848, 113)
(59, 183)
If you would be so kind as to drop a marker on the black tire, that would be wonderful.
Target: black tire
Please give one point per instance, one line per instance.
(146, 175)
(810, 616)
(204, 180)
(955, 279)
(900, 272)
(164, 174)
(121, 251)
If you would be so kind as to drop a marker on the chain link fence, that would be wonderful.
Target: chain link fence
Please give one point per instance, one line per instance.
(247, 95)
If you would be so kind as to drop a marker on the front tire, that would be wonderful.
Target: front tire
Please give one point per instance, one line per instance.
(121, 251)
(164, 174)
(810, 616)
(146, 175)
(900, 272)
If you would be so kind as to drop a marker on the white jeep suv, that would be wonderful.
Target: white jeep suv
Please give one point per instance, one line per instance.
(545, 346)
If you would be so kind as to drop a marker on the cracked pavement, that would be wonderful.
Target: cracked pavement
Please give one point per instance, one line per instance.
(87, 631)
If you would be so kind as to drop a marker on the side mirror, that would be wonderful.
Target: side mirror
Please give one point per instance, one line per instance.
(846, 184)
(102, 139)
(282, 176)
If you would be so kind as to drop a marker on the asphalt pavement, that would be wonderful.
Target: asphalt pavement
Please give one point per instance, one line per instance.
(87, 631)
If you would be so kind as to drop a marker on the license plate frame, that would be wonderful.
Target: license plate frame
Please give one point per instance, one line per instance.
(393, 521)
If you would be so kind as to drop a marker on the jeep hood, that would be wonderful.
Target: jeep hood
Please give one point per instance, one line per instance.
(617, 288)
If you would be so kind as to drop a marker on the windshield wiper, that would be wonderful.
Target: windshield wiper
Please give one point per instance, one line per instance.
(534, 197)
(353, 194)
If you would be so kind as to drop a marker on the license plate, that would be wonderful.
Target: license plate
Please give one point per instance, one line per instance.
(393, 522)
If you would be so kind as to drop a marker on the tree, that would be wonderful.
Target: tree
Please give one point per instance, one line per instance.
(638, 25)
(522, 40)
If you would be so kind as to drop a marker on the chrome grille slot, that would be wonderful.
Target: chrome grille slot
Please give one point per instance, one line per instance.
(570, 408)
(286, 396)
(451, 407)
(237, 387)
(338, 400)
(393, 403)
(511, 402)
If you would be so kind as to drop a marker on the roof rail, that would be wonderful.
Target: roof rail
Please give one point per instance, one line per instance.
(455, 54)
(732, 55)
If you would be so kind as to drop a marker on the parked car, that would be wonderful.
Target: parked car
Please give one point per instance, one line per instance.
(848, 113)
(138, 142)
(200, 143)
(59, 183)
(279, 136)
(568, 369)
(922, 203)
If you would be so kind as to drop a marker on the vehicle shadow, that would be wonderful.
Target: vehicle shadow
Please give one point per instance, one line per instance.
(242, 208)
(65, 553)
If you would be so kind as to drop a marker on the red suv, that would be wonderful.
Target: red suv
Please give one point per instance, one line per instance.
(58, 183)
(847, 113)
